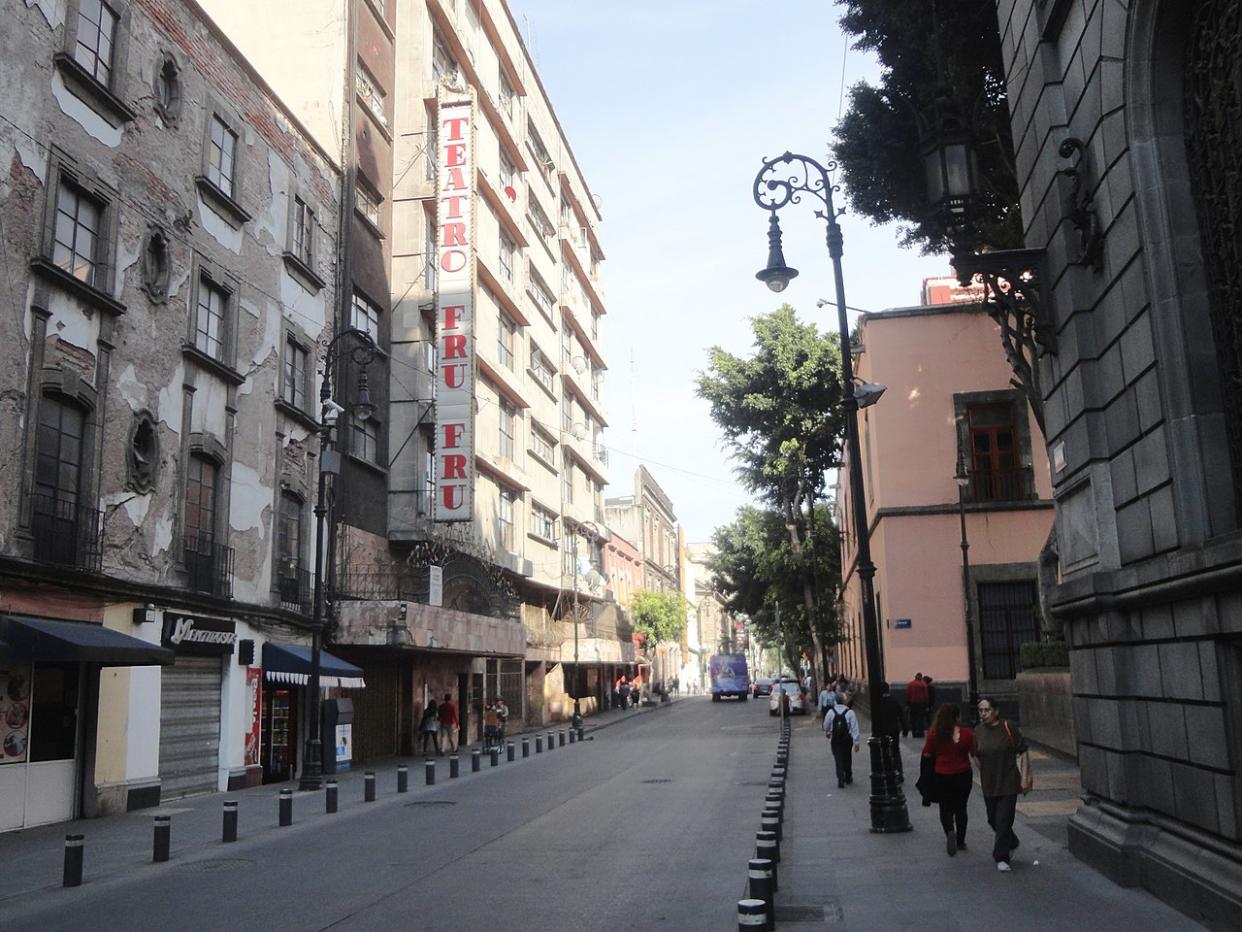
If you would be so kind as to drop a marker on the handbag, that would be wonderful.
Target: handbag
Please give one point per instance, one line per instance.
(927, 785)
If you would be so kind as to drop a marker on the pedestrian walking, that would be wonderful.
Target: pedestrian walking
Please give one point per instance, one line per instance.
(841, 730)
(827, 698)
(449, 723)
(429, 726)
(949, 745)
(887, 722)
(623, 690)
(491, 726)
(916, 703)
(1004, 772)
(931, 694)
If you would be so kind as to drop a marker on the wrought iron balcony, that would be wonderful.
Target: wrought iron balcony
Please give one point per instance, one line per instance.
(295, 588)
(66, 533)
(209, 566)
(1000, 485)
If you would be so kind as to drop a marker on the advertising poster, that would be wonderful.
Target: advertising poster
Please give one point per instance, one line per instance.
(254, 696)
(344, 743)
(14, 714)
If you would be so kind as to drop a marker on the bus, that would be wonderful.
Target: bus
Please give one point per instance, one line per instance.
(730, 677)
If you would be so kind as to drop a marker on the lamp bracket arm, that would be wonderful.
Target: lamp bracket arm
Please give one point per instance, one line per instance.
(1081, 209)
(786, 178)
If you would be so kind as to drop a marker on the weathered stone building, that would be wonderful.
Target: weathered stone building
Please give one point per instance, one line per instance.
(168, 267)
(1139, 237)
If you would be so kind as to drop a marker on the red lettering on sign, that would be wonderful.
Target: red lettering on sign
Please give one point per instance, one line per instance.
(453, 203)
(452, 435)
(452, 313)
(453, 260)
(454, 125)
(455, 154)
(454, 375)
(454, 467)
(453, 234)
(454, 496)
(454, 346)
(456, 180)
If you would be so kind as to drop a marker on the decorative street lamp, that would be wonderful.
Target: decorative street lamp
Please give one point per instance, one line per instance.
(963, 482)
(951, 169)
(781, 181)
(362, 353)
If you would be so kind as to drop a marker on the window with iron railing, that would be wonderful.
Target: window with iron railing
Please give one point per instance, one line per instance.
(1008, 618)
(996, 474)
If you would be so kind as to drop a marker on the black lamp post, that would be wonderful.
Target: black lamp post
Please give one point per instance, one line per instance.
(362, 353)
(963, 482)
(781, 181)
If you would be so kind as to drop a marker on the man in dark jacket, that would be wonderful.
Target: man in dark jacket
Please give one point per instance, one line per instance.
(887, 724)
(916, 704)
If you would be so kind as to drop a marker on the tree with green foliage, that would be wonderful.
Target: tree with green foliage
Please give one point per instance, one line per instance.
(783, 419)
(658, 616)
(948, 49)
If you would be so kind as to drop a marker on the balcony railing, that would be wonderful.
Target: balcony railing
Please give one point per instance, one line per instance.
(295, 587)
(66, 534)
(209, 566)
(1001, 485)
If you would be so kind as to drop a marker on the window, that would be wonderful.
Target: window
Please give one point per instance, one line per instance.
(567, 412)
(366, 439)
(429, 151)
(508, 418)
(371, 95)
(567, 480)
(540, 367)
(541, 294)
(541, 444)
(365, 316)
(594, 325)
(58, 451)
(505, 340)
(504, 516)
(1008, 618)
(200, 501)
(289, 539)
(294, 389)
(209, 318)
(443, 65)
(507, 94)
(429, 355)
(542, 523)
(508, 174)
(76, 243)
(221, 155)
(995, 472)
(507, 250)
(167, 87)
(368, 205)
(303, 231)
(429, 251)
(538, 150)
(96, 39)
(539, 221)
(597, 381)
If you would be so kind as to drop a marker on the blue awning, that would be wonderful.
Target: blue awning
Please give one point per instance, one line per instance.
(291, 663)
(48, 641)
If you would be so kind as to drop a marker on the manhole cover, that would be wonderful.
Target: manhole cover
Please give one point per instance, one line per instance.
(432, 802)
(220, 864)
(655, 781)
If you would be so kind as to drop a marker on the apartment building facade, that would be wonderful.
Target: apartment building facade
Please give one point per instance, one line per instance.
(170, 249)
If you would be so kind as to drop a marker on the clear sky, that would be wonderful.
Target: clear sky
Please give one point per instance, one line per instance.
(670, 106)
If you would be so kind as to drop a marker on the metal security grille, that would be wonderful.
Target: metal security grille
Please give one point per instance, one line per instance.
(506, 678)
(1213, 100)
(1008, 618)
(189, 726)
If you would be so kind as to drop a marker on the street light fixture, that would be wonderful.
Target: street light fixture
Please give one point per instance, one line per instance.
(362, 353)
(963, 482)
(781, 181)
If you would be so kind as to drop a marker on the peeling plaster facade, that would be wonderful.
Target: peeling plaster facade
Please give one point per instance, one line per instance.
(119, 346)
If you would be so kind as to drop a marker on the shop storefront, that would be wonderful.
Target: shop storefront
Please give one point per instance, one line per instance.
(286, 671)
(190, 703)
(49, 697)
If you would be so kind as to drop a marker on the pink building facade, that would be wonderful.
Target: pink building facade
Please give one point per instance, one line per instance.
(948, 401)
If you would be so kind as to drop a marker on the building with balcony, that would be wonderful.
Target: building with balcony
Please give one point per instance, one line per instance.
(171, 252)
(948, 406)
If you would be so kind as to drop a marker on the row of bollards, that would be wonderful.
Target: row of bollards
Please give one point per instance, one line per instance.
(758, 909)
(75, 845)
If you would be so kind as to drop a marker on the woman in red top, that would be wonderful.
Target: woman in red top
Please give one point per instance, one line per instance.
(950, 745)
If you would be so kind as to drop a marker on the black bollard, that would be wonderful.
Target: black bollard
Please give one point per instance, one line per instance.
(368, 786)
(163, 838)
(526, 747)
(771, 823)
(474, 760)
(775, 812)
(759, 873)
(538, 744)
(551, 740)
(767, 840)
(403, 778)
(430, 767)
(580, 733)
(510, 752)
(454, 767)
(75, 848)
(573, 735)
(329, 796)
(751, 915)
(230, 820)
(561, 739)
(495, 753)
(286, 807)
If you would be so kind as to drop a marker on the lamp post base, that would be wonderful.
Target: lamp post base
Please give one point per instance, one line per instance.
(312, 769)
(576, 721)
(888, 802)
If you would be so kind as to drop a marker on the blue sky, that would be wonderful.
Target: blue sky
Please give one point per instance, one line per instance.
(670, 107)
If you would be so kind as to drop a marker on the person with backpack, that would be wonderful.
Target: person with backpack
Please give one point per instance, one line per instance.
(841, 729)
(1004, 772)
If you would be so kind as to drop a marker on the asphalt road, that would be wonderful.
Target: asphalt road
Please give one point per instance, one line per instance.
(648, 826)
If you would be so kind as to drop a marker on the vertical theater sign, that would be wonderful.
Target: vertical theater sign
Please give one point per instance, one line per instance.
(455, 260)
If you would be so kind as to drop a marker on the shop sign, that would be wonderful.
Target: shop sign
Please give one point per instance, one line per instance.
(435, 586)
(187, 634)
(455, 337)
(254, 696)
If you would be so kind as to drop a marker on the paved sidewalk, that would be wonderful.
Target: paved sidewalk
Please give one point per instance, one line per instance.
(835, 873)
(33, 858)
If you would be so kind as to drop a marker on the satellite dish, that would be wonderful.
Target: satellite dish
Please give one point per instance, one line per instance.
(579, 364)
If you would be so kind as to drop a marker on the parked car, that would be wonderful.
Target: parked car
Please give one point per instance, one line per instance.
(762, 687)
(790, 690)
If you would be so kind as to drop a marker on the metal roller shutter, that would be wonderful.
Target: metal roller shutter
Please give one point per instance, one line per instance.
(190, 726)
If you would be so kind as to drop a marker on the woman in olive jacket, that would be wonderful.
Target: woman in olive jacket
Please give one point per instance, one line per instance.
(1004, 772)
